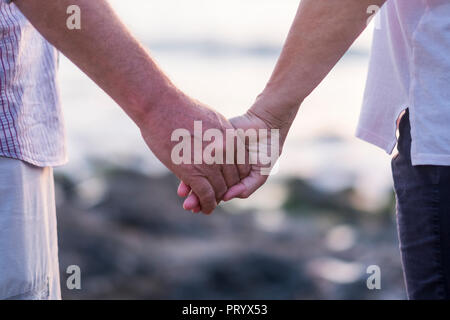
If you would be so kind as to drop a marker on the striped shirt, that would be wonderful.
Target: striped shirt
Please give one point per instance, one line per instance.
(31, 122)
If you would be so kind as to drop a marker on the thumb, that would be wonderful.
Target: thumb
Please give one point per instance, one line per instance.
(246, 187)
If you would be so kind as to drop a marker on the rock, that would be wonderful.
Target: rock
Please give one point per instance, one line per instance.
(136, 241)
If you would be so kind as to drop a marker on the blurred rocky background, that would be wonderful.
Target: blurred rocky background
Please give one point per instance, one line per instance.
(132, 240)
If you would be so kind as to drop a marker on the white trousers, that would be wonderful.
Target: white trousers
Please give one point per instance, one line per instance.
(29, 267)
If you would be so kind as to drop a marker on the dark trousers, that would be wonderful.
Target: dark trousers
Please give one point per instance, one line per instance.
(423, 218)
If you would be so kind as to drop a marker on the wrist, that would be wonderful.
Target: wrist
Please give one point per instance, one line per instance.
(275, 109)
(154, 109)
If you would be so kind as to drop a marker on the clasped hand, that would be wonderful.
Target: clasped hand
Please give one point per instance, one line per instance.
(206, 183)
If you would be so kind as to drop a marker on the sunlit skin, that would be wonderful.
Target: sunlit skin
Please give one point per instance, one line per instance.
(321, 33)
(323, 30)
(105, 50)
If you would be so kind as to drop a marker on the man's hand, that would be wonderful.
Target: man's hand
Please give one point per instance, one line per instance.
(209, 181)
(105, 50)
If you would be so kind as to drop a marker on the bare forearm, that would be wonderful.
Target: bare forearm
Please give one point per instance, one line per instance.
(105, 50)
(322, 32)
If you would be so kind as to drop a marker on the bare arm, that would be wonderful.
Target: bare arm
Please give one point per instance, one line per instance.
(106, 51)
(321, 33)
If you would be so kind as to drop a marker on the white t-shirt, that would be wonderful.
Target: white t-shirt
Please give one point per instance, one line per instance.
(410, 68)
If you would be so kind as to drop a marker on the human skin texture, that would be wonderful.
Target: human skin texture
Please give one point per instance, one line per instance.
(322, 31)
(106, 51)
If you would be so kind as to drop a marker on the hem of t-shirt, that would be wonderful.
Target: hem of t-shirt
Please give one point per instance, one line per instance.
(417, 159)
(375, 139)
(36, 162)
(422, 159)
(39, 289)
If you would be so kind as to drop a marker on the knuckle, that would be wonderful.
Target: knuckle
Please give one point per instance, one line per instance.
(234, 175)
(202, 189)
(231, 176)
(209, 195)
(209, 207)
